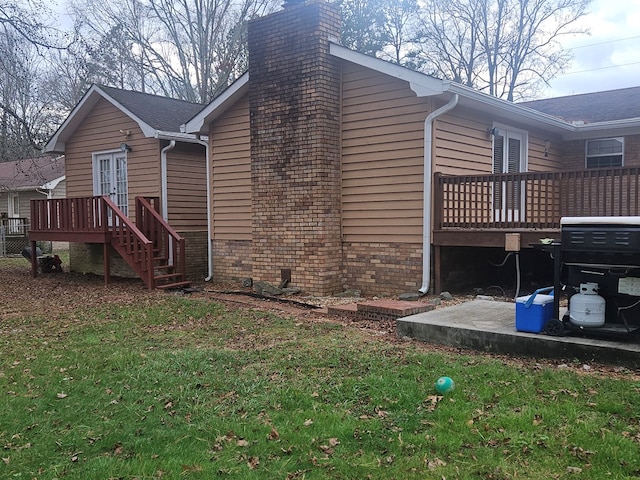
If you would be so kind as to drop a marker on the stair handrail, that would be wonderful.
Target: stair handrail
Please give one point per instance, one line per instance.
(177, 245)
(126, 233)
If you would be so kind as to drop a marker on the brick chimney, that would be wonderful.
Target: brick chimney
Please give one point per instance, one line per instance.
(295, 146)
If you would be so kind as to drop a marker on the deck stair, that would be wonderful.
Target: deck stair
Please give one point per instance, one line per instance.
(168, 248)
(150, 246)
(380, 310)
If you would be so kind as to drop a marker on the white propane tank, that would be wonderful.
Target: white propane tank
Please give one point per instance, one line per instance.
(587, 308)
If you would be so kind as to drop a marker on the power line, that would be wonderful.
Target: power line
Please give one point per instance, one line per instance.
(602, 68)
(605, 42)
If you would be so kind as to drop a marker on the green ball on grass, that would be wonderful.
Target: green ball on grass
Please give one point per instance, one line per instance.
(445, 385)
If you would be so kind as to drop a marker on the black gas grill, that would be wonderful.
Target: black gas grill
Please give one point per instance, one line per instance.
(606, 251)
(601, 240)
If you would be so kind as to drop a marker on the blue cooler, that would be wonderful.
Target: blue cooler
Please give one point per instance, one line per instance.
(533, 314)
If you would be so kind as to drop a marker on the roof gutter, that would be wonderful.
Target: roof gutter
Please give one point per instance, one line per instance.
(426, 209)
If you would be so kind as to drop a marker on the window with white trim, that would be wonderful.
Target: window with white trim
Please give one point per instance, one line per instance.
(13, 205)
(604, 152)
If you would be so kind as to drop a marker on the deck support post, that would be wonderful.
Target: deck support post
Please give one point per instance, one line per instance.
(106, 262)
(437, 264)
(34, 260)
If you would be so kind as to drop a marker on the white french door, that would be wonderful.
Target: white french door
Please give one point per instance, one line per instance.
(509, 156)
(110, 178)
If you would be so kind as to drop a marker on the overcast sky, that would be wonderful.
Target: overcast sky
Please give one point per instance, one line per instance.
(607, 59)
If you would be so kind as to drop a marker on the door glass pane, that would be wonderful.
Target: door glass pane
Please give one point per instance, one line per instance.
(122, 198)
(104, 185)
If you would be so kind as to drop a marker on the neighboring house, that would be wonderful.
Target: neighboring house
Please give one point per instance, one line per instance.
(136, 185)
(338, 170)
(22, 181)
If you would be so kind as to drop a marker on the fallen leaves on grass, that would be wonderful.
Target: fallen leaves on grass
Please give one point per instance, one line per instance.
(432, 402)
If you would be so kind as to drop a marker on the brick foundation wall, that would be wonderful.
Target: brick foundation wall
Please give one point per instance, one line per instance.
(383, 268)
(231, 260)
(88, 258)
(295, 147)
(196, 254)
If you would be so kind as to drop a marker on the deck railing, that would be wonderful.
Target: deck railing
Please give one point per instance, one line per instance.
(15, 226)
(168, 244)
(534, 200)
(150, 246)
(69, 215)
(130, 242)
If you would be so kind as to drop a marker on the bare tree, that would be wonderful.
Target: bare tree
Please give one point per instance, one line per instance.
(27, 19)
(401, 31)
(188, 49)
(25, 39)
(362, 25)
(507, 48)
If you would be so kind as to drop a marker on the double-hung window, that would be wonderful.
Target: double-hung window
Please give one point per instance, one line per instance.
(604, 152)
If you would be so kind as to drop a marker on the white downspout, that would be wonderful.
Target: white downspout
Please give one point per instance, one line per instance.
(163, 176)
(426, 213)
(205, 144)
(163, 187)
(209, 245)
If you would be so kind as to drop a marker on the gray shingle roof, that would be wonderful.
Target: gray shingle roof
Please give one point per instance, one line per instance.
(161, 113)
(592, 107)
(30, 172)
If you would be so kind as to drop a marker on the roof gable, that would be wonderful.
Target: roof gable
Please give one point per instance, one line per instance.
(199, 124)
(152, 113)
(31, 173)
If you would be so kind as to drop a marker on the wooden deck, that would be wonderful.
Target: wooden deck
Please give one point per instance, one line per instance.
(151, 247)
(478, 210)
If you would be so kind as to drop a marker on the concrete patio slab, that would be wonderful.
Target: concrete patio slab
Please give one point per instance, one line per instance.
(489, 326)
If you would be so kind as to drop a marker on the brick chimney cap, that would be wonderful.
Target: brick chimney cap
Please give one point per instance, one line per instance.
(291, 3)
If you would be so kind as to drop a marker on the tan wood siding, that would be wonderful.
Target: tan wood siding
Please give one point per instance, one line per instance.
(463, 146)
(187, 188)
(382, 158)
(100, 131)
(231, 174)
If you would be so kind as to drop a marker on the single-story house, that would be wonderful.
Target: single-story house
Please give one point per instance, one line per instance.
(134, 183)
(338, 170)
(335, 170)
(20, 182)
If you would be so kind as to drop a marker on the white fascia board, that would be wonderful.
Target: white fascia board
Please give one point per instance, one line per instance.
(421, 84)
(485, 100)
(178, 137)
(57, 142)
(81, 110)
(425, 85)
(613, 128)
(53, 183)
(200, 123)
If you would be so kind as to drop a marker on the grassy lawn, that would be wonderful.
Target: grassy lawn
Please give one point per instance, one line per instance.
(163, 386)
